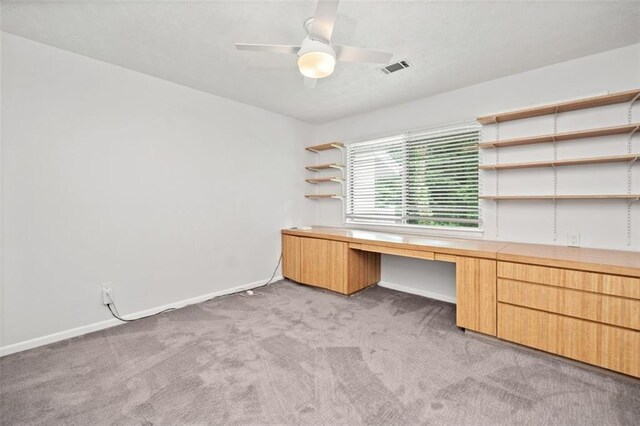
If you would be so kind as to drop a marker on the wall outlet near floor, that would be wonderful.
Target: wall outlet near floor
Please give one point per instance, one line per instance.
(573, 240)
(107, 294)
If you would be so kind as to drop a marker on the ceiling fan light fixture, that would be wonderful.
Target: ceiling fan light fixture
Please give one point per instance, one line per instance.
(316, 59)
(316, 64)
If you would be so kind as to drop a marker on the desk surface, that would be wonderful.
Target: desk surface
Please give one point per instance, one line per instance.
(456, 246)
(588, 259)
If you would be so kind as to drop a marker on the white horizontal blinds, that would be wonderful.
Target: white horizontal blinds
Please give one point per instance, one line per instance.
(442, 177)
(375, 180)
(421, 178)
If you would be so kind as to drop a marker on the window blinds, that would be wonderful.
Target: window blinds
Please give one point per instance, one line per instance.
(427, 178)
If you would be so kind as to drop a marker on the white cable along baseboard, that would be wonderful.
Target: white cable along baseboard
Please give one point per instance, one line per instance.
(96, 326)
(417, 291)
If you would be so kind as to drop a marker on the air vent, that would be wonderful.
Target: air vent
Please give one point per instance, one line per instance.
(395, 67)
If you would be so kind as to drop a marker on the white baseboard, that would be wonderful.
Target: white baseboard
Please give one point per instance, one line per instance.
(417, 291)
(79, 331)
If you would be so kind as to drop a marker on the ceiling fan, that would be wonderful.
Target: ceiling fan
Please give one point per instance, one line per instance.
(316, 56)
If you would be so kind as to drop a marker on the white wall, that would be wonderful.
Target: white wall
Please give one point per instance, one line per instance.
(1, 193)
(171, 194)
(600, 224)
(113, 175)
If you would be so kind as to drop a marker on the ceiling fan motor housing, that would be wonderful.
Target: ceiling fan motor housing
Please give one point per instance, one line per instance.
(309, 45)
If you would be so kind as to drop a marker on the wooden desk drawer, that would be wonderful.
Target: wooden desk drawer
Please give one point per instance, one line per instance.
(599, 344)
(568, 278)
(580, 304)
(419, 254)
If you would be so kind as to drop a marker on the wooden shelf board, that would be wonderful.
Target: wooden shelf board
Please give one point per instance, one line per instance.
(326, 179)
(562, 197)
(325, 146)
(324, 166)
(610, 99)
(559, 137)
(557, 163)
(322, 196)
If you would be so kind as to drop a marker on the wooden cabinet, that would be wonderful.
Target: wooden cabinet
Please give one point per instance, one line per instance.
(291, 257)
(583, 304)
(476, 294)
(328, 264)
(587, 316)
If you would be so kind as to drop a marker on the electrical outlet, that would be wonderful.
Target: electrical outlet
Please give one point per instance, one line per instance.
(107, 294)
(573, 240)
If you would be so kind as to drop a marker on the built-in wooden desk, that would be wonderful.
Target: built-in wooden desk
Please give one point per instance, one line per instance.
(577, 302)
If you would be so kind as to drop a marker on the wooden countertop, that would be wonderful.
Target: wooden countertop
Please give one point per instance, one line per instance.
(456, 246)
(595, 260)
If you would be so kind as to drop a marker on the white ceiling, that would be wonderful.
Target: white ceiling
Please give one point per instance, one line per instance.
(449, 44)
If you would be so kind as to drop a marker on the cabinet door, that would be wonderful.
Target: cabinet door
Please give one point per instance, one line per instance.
(291, 257)
(476, 294)
(323, 263)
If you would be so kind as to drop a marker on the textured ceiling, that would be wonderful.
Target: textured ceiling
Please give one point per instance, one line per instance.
(449, 44)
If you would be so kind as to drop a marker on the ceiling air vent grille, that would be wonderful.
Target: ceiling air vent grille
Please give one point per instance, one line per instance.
(395, 67)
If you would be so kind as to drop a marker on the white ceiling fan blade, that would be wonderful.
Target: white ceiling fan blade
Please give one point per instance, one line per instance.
(271, 48)
(310, 83)
(358, 54)
(324, 20)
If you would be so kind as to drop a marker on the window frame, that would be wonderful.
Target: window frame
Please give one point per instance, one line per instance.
(414, 228)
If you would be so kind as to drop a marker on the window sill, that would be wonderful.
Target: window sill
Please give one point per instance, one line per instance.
(477, 233)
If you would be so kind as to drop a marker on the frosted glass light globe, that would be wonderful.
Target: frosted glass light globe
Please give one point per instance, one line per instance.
(316, 64)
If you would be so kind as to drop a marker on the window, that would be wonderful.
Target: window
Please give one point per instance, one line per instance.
(427, 178)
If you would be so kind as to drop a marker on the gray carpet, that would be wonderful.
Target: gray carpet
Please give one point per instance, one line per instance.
(296, 355)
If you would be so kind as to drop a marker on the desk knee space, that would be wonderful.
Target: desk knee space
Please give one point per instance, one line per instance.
(347, 267)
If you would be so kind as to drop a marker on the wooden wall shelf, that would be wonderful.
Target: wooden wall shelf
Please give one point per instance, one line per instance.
(558, 163)
(324, 167)
(319, 196)
(561, 197)
(326, 179)
(559, 137)
(610, 99)
(325, 147)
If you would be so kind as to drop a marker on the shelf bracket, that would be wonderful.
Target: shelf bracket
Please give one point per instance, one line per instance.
(631, 102)
(555, 175)
(341, 182)
(338, 146)
(629, 168)
(497, 172)
(497, 217)
(555, 219)
(629, 230)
